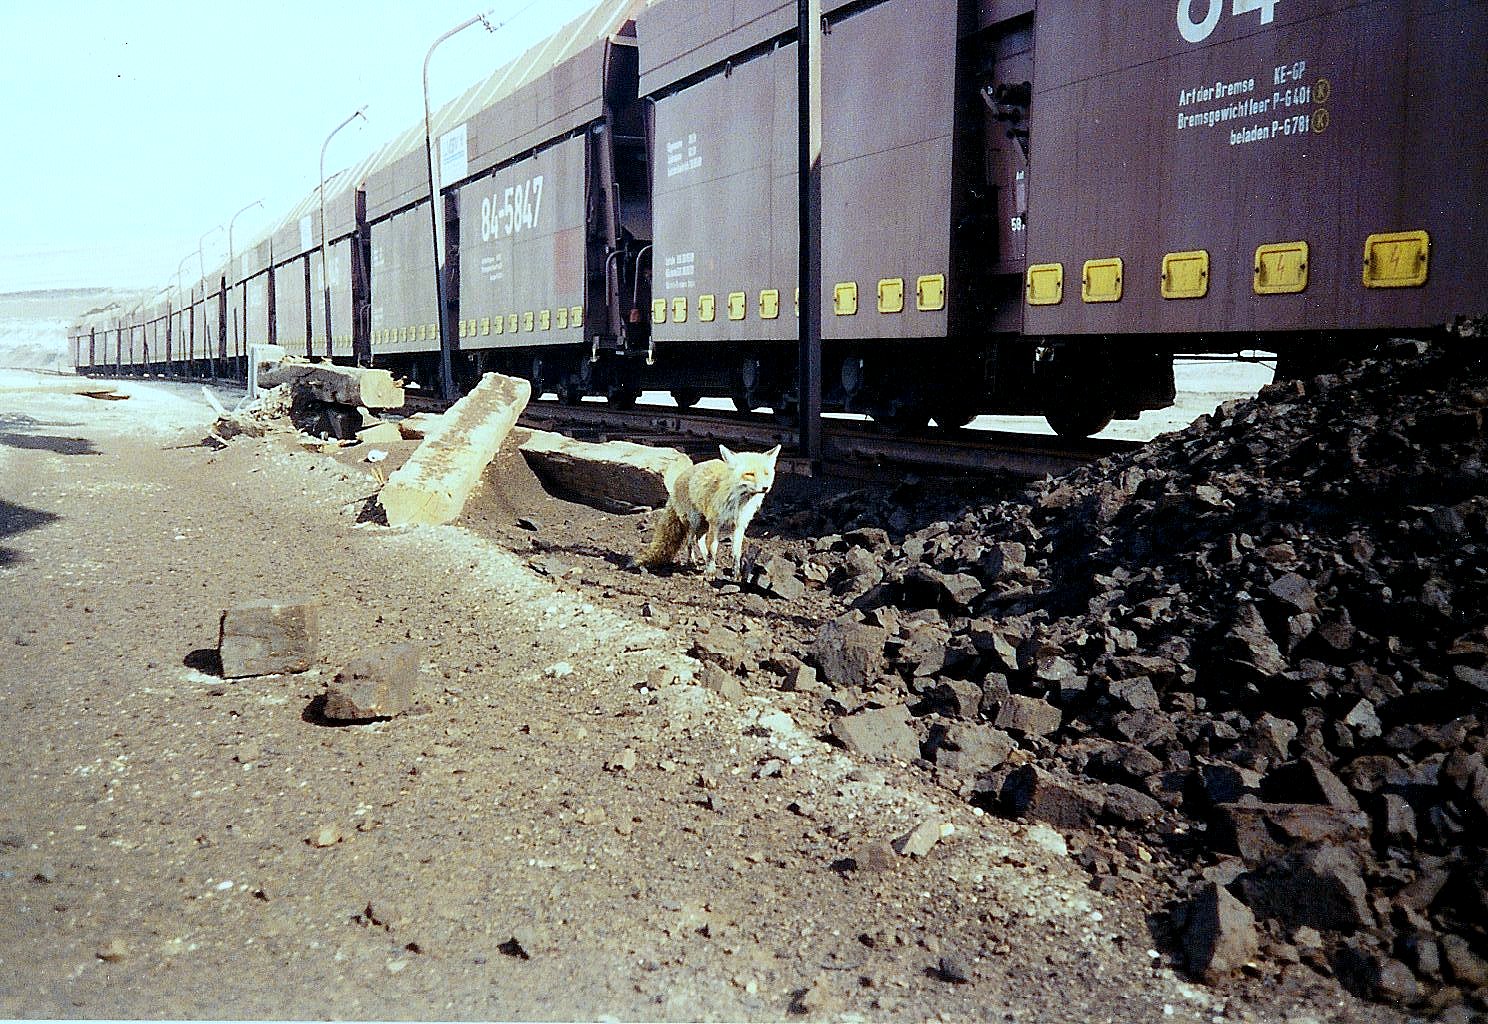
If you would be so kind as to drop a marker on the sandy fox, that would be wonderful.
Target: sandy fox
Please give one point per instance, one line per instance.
(720, 494)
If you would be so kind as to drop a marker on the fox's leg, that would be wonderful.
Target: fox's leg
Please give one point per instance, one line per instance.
(739, 526)
(741, 523)
(694, 543)
(710, 545)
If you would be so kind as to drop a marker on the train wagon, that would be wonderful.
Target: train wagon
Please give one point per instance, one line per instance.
(1028, 206)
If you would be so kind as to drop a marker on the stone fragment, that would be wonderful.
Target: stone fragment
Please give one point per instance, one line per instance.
(870, 537)
(1034, 792)
(1250, 644)
(953, 967)
(991, 639)
(113, 951)
(957, 590)
(326, 835)
(1464, 965)
(1272, 737)
(1219, 934)
(849, 653)
(970, 748)
(1320, 886)
(722, 682)
(340, 385)
(1363, 720)
(875, 857)
(721, 646)
(1382, 978)
(1261, 831)
(1031, 716)
(1307, 780)
(778, 576)
(1224, 783)
(1130, 807)
(958, 697)
(1336, 629)
(802, 679)
(378, 683)
(918, 841)
(878, 733)
(1003, 560)
(1137, 694)
(262, 638)
(625, 761)
(1294, 594)
(1397, 819)
(523, 943)
(818, 999)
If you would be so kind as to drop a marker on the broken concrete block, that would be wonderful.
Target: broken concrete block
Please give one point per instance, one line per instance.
(380, 433)
(879, 733)
(615, 471)
(339, 385)
(419, 425)
(376, 684)
(263, 638)
(431, 487)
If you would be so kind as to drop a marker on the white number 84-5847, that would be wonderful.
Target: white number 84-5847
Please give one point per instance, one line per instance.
(518, 211)
(1197, 30)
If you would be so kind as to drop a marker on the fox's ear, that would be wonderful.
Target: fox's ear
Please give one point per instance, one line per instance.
(728, 456)
(773, 453)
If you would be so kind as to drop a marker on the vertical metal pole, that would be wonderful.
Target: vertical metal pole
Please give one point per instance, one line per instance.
(325, 254)
(244, 304)
(808, 94)
(446, 362)
(201, 265)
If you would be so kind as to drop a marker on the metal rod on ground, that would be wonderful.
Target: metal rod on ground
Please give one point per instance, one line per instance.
(325, 254)
(808, 93)
(446, 339)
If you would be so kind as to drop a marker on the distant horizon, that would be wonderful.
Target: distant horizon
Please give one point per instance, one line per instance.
(82, 289)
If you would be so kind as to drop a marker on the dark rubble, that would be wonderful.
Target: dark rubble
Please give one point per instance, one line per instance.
(1261, 644)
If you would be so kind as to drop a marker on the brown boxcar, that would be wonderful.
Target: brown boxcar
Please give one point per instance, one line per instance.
(1271, 166)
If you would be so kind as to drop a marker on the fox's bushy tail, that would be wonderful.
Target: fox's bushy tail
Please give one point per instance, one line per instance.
(671, 534)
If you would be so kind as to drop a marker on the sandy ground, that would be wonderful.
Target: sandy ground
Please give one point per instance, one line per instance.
(173, 844)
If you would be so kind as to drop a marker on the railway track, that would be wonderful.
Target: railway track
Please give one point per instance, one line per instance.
(852, 450)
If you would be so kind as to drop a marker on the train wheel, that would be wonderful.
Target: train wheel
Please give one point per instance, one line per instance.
(1077, 402)
(953, 411)
(539, 378)
(898, 415)
(1080, 420)
(686, 398)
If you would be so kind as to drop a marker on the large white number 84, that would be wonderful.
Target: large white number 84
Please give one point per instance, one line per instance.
(1198, 31)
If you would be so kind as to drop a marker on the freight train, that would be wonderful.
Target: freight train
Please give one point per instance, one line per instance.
(1028, 206)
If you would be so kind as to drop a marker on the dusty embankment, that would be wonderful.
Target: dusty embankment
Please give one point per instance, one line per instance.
(566, 828)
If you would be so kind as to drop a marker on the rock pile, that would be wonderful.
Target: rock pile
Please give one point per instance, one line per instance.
(1261, 643)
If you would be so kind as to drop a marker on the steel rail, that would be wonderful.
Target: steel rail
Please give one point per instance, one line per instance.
(849, 449)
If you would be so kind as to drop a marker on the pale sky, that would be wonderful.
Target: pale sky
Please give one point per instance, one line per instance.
(131, 129)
